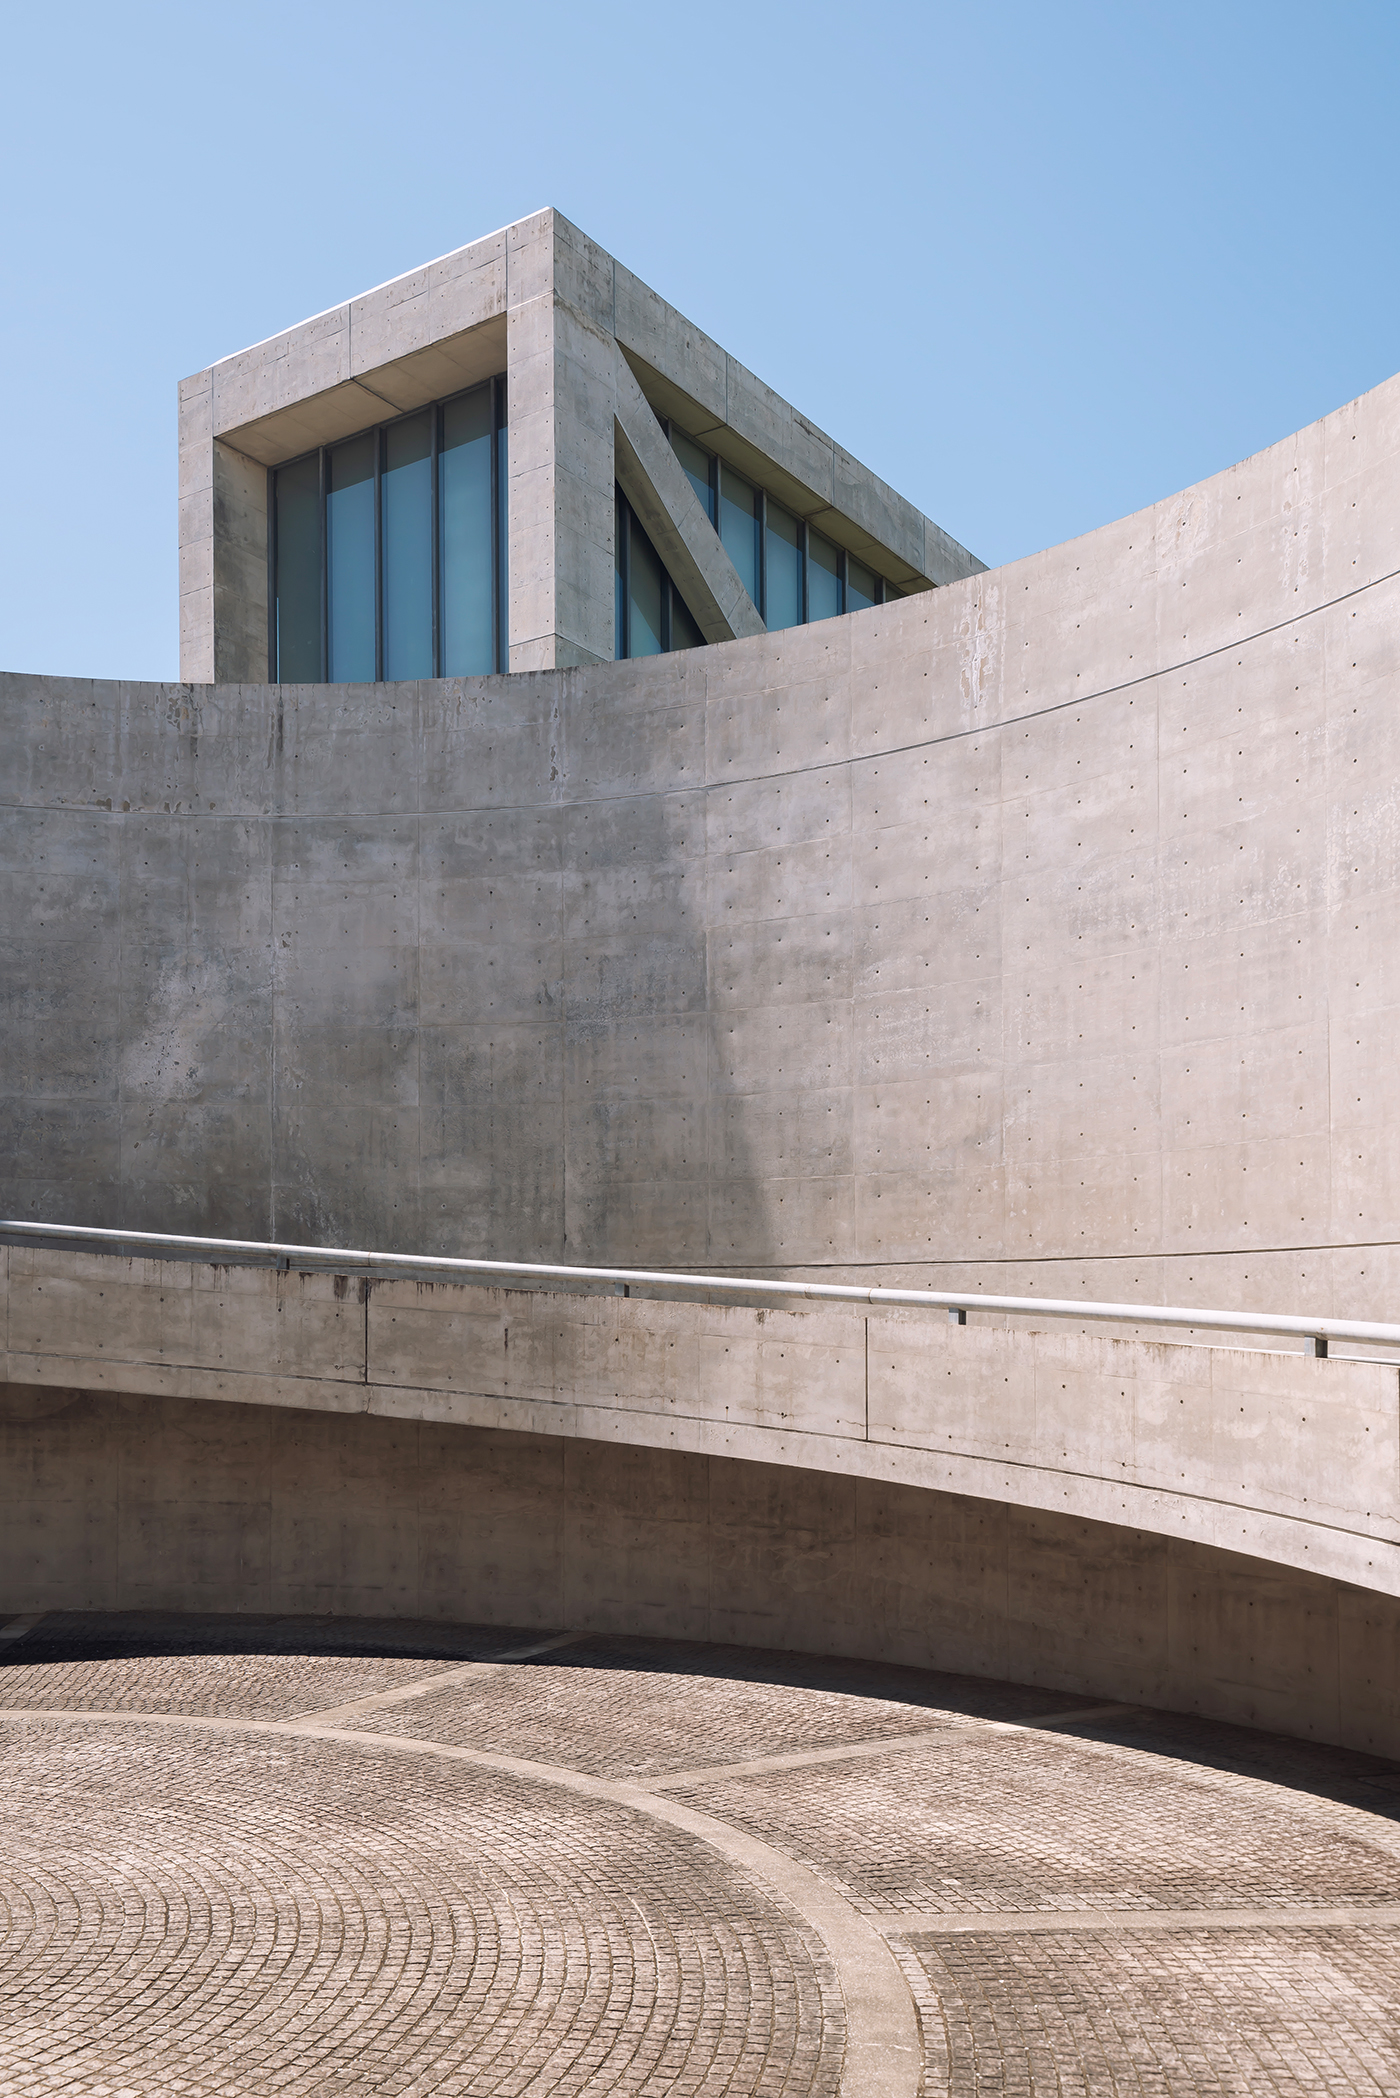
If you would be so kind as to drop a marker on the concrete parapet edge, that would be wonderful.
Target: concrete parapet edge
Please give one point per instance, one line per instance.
(1277, 1456)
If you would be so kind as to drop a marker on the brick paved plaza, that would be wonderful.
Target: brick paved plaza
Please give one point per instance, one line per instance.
(315, 1857)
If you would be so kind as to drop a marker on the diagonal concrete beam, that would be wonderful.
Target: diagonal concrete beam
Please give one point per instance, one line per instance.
(658, 488)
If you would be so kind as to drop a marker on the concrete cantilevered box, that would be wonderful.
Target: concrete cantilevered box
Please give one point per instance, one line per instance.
(594, 365)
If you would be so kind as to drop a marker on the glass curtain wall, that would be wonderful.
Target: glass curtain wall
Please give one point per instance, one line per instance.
(782, 568)
(862, 585)
(699, 468)
(652, 617)
(825, 597)
(350, 565)
(466, 508)
(792, 572)
(739, 531)
(296, 595)
(388, 550)
(406, 512)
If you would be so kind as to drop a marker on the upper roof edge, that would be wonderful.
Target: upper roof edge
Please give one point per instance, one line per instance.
(305, 320)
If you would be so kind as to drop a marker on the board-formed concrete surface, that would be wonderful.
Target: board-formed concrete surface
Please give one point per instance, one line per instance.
(1041, 931)
(258, 1854)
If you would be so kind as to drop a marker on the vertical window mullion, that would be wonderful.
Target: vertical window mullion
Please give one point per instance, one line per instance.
(435, 532)
(805, 614)
(379, 556)
(500, 526)
(496, 523)
(325, 588)
(842, 567)
(626, 578)
(762, 562)
(272, 664)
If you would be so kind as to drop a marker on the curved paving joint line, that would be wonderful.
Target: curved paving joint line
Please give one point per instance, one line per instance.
(1014, 1922)
(883, 2057)
(404, 1693)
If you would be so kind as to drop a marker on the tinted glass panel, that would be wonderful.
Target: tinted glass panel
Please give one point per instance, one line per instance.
(296, 499)
(350, 561)
(502, 542)
(783, 570)
(464, 499)
(619, 578)
(738, 527)
(684, 632)
(823, 578)
(645, 605)
(861, 586)
(697, 469)
(408, 549)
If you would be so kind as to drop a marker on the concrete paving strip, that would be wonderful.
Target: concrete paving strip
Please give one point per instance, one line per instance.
(18, 1626)
(883, 2057)
(951, 1736)
(1386, 1915)
(465, 1672)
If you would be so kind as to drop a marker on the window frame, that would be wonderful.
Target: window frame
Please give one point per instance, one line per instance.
(624, 518)
(500, 640)
(887, 592)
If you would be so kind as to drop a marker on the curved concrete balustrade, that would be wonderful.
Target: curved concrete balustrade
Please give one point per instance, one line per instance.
(1280, 1456)
(1211, 1527)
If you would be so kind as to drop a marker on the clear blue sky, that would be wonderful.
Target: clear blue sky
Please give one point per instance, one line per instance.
(1035, 265)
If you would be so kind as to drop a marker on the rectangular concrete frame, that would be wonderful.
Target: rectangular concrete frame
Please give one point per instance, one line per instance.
(564, 321)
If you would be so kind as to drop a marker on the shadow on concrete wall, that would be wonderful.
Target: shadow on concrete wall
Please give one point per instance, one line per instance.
(416, 968)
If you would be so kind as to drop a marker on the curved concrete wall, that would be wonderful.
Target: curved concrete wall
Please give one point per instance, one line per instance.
(1042, 930)
(142, 1502)
(1281, 1457)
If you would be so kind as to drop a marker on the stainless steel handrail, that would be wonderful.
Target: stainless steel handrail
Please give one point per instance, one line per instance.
(333, 1259)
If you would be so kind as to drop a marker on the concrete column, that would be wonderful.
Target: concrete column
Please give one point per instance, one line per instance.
(241, 609)
(562, 397)
(196, 441)
(223, 551)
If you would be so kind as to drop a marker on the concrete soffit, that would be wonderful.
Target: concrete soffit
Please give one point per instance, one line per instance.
(670, 402)
(430, 373)
(659, 490)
